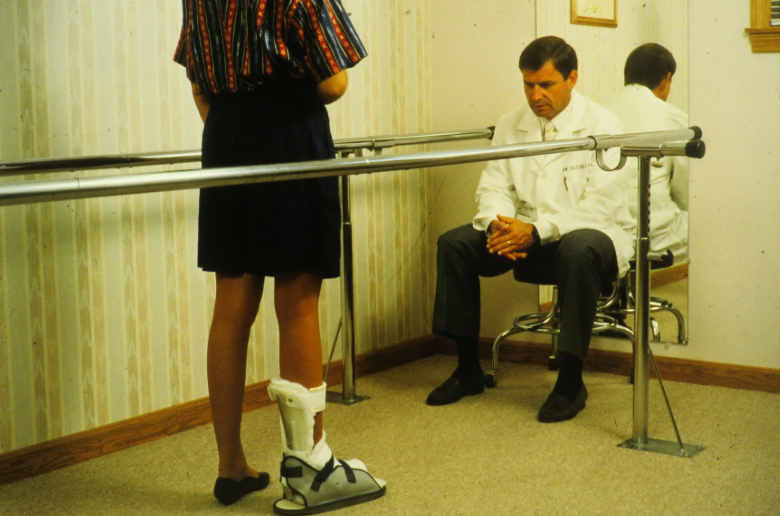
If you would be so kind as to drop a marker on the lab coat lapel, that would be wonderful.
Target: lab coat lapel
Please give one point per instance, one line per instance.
(530, 126)
(573, 129)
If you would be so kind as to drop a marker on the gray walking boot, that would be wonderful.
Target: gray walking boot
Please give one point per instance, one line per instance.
(312, 479)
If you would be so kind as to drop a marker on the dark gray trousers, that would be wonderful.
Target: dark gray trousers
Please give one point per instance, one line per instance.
(582, 264)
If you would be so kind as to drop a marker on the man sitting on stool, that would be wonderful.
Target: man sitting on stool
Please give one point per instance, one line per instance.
(641, 106)
(555, 219)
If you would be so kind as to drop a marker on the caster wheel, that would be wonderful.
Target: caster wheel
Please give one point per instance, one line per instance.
(490, 381)
(553, 363)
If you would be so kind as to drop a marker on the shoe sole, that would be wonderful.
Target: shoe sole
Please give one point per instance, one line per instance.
(331, 506)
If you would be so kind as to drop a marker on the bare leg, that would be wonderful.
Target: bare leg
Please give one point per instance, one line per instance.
(297, 296)
(235, 309)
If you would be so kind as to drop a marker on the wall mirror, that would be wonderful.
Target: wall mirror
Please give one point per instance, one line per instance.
(601, 74)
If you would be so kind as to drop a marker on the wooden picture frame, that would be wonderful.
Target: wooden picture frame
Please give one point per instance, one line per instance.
(599, 13)
(764, 36)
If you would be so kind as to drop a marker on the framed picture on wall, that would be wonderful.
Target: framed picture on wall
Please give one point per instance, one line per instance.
(601, 13)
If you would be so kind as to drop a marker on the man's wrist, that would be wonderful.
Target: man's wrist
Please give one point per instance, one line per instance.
(537, 240)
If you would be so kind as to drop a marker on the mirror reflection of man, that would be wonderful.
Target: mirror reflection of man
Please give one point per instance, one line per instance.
(641, 106)
(553, 219)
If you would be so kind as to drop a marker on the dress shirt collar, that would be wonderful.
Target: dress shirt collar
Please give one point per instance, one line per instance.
(562, 120)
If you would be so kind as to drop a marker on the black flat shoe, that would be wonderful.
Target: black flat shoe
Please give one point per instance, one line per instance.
(560, 408)
(452, 390)
(229, 491)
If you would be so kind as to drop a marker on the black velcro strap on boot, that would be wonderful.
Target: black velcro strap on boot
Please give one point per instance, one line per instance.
(323, 475)
(296, 472)
(348, 472)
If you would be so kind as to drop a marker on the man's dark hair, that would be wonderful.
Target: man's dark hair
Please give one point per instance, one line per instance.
(648, 65)
(549, 48)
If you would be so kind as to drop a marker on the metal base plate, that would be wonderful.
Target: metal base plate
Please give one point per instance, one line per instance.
(337, 397)
(666, 447)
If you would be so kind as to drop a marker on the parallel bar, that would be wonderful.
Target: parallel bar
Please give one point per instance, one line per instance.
(49, 165)
(691, 149)
(83, 188)
(383, 142)
(75, 188)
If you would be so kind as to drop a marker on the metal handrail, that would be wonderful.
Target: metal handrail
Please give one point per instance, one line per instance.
(82, 188)
(641, 145)
(49, 165)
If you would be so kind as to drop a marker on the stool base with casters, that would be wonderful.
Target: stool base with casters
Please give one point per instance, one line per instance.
(549, 323)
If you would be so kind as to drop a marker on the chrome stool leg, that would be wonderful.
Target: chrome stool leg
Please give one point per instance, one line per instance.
(658, 304)
(681, 335)
(491, 379)
(539, 322)
(554, 361)
(655, 329)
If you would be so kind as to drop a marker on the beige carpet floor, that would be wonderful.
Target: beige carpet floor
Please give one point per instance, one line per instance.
(483, 455)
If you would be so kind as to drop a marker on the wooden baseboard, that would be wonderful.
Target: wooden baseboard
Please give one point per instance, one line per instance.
(661, 277)
(65, 451)
(616, 362)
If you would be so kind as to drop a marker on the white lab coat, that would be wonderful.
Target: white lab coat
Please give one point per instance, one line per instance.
(639, 111)
(559, 193)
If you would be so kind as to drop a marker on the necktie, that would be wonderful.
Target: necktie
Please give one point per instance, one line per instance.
(549, 131)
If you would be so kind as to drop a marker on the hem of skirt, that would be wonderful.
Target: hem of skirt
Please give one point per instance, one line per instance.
(271, 274)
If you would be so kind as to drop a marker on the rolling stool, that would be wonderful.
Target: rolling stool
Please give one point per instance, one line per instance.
(610, 314)
(627, 302)
(549, 323)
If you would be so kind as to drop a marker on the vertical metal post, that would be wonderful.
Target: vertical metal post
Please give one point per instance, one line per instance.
(642, 314)
(347, 291)
(349, 395)
(642, 353)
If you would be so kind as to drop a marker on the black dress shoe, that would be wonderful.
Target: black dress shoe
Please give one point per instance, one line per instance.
(452, 390)
(560, 408)
(229, 491)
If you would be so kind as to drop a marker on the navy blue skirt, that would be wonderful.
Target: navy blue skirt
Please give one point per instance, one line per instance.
(269, 228)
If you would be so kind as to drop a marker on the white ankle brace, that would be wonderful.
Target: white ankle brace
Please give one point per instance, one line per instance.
(297, 408)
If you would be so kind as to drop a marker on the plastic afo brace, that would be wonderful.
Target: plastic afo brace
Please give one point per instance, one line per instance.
(297, 408)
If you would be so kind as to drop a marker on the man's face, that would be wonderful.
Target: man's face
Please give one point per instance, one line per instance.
(548, 93)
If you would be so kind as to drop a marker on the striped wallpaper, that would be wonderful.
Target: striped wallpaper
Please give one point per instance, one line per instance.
(103, 314)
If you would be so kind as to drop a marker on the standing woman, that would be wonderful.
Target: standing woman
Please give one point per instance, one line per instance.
(262, 72)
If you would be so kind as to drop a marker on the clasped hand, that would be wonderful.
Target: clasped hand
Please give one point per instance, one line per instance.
(509, 237)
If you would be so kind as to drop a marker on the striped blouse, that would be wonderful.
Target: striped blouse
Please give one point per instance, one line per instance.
(230, 46)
